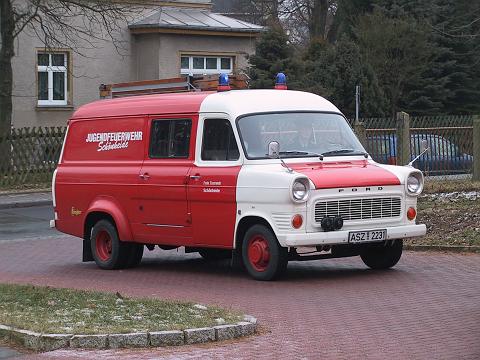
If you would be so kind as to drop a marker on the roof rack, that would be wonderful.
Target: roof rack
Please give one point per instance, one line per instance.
(171, 85)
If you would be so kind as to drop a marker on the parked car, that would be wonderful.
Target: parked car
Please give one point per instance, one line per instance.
(443, 158)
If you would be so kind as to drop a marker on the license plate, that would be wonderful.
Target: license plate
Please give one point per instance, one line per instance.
(364, 236)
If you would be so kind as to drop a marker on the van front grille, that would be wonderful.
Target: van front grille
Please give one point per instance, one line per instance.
(359, 209)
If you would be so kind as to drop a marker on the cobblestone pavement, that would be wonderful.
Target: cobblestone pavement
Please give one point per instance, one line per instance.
(427, 307)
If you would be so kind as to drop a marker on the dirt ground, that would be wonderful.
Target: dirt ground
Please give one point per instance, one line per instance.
(453, 220)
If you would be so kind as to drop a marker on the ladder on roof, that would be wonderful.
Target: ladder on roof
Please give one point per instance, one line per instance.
(172, 85)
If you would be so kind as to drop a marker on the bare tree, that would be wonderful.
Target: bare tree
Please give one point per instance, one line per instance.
(75, 24)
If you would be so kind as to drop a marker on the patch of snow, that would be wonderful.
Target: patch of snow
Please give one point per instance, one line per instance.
(454, 196)
(200, 307)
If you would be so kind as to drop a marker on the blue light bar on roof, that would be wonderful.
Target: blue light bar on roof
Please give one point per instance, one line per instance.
(281, 81)
(223, 83)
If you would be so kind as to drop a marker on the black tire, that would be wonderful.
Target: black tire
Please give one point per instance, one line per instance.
(382, 256)
(135, 255)
(111, 253)
(262, 255)
(215, 254)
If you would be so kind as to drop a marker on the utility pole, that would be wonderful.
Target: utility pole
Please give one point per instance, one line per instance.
(358, 127)
(357, 102)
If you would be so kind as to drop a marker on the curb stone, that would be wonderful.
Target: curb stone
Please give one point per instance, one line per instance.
(116, 341)
(167, 338)
(245, 328)
(456, 248)
(225, 332)
(25, 204)
(89, 341)
(199, 335)
(28, 339)
(48, 342)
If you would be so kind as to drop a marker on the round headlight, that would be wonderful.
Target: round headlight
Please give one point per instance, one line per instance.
(414, 184)
(299, 190)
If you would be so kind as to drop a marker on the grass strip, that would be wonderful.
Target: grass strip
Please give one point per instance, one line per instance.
(52, 310)
(446, 186)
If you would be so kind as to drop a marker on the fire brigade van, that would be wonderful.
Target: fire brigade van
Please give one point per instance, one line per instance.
(262, 177)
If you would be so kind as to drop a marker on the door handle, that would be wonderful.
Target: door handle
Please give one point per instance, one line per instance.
(144, 176)
(195, 177)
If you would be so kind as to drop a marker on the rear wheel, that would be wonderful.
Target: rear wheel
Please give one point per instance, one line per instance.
(107, 249)
(383, 255)
(262, 255)
(215, 254)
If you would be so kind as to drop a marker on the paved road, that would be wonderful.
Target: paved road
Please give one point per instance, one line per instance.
(428, 307)
(26, 223)
(6, 353)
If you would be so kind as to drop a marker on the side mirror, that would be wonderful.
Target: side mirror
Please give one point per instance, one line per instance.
(273, 149)
(274, 153)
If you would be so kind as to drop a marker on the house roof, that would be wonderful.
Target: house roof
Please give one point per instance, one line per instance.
(192, 20)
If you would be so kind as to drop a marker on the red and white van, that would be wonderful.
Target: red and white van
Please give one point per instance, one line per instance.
(264, 176)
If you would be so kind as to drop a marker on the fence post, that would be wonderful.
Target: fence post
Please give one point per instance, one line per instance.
(359, 129)
(403, 138)
(476, 148)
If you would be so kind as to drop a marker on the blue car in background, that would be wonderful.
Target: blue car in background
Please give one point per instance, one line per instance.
(443, 158)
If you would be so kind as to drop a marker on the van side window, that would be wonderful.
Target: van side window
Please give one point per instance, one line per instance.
(218, 141)
(170, 138)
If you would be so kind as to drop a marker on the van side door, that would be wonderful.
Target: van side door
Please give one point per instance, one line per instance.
(213, 181)
(162, 195)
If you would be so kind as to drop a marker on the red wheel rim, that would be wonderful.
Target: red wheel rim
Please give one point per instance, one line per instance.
(258, 252)
(103, 243)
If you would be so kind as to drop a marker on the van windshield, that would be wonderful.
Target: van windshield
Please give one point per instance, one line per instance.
(300, 134)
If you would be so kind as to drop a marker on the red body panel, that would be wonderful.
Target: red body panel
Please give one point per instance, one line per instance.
(106, 152)
(87, 173)
(344, 174)
(162, 207)
(212, 199)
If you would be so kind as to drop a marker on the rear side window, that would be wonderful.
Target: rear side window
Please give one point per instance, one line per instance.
(170, 138)
(218, 141)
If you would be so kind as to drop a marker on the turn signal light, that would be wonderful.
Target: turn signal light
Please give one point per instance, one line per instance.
(411, 213)
(297, 221)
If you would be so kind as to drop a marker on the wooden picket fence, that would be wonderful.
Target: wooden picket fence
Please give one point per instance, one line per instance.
(29, 155)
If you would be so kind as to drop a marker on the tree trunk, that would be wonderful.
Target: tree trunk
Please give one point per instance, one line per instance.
(7, 29)
(273, 19)
(318, 19)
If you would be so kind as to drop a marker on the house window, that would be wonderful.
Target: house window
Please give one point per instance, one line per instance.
(200, 64)
(52, 78)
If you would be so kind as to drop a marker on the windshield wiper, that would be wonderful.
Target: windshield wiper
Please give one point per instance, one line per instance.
(297, 152)
(344, 152)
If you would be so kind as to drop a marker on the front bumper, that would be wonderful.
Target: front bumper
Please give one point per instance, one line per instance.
(341, 237)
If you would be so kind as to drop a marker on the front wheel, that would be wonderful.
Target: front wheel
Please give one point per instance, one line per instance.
(262, 255)
(383, 255)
